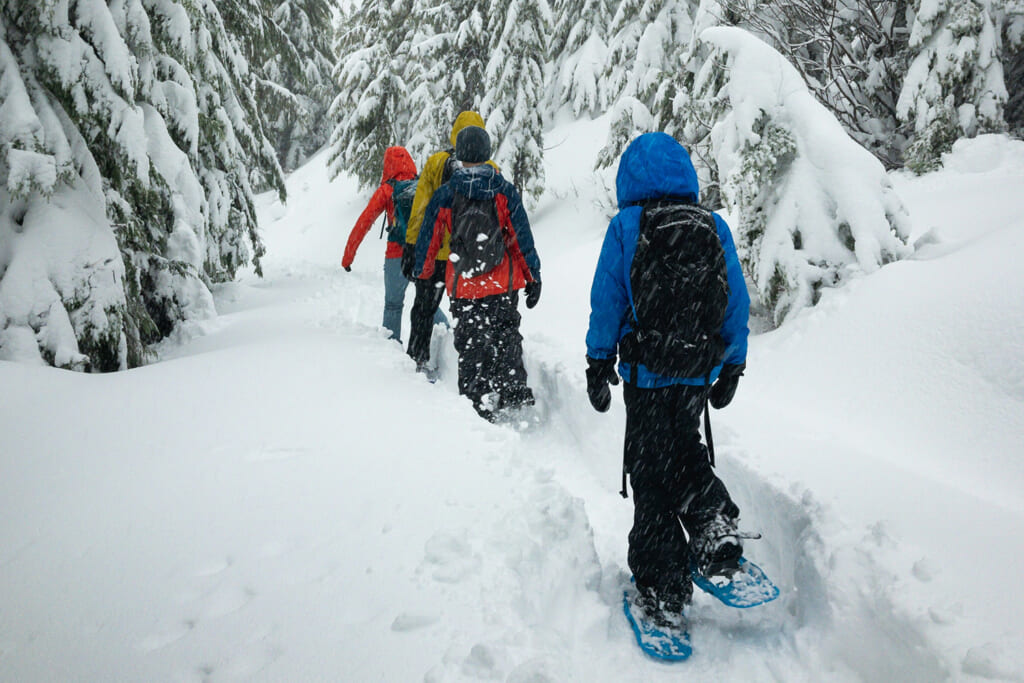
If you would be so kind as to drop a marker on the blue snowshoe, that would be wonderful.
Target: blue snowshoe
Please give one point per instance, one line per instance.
(662, 637)
(745, 585)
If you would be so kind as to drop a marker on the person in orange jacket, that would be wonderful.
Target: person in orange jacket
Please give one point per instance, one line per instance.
(394, 197)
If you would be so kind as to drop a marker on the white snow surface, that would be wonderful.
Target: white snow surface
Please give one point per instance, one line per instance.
(282, 498)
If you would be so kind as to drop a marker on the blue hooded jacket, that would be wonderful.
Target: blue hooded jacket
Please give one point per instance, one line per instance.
(654, 166)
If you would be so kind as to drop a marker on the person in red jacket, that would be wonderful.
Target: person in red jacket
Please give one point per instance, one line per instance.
(394, 197)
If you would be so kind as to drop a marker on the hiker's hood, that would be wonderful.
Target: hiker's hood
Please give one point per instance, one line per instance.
(655, 166)
(398, 165)
(477, 182)
(466, 118)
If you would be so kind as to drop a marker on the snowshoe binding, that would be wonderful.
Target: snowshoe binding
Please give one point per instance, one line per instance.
(720, 569)
(659, 632)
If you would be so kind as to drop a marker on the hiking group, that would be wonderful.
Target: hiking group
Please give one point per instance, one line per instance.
(669, 316)
(463, 230)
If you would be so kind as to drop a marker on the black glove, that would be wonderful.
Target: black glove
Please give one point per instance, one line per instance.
(532, 293)
(724, 387)
(348, 269)
(408, 260)
(599, 374)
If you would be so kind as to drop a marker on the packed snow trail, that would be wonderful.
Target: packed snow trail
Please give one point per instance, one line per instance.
(283, 498)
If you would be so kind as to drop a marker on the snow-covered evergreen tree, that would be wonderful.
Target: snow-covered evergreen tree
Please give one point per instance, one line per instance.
(648, 38)
(813, 207)
(296, 120)
(515, 81)
(630, 117)
(128, 139)
(372, 110)
(954, 87)
(578, 53)
(449, 53)
(1013, 65)
(671, 110)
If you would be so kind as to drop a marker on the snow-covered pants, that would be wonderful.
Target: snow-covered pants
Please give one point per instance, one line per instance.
(491, 372)
(395, 285)
(425, 313)
(672, 480)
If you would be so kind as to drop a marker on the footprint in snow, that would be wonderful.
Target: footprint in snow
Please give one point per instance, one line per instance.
(213, 567)
(167, 637)
(411, 622)
(226, 600)
(450, 558)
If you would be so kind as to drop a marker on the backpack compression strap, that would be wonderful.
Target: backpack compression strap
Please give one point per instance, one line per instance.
(707, 420)
(384, 220)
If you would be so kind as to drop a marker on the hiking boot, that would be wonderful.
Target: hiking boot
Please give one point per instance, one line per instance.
(665, 612)
(517, 397)
(716, 548)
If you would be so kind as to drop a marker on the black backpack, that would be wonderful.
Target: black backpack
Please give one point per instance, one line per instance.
(478, 241)
(680, 291)
(402, 194)
(450, 166)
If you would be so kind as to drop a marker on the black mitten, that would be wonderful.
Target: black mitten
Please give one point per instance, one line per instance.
(599, 374)
(724, 387)
(532, 293)
(408, 260)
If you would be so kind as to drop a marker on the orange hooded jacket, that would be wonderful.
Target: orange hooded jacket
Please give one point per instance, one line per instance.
(398, 165)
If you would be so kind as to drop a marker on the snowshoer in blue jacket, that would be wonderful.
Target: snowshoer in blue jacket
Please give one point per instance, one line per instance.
(673, 483)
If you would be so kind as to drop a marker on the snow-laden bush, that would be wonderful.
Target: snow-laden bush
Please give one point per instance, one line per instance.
(812, 206)
(128, 141)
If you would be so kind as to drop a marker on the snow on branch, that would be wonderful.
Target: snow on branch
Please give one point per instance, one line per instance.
(814, 208)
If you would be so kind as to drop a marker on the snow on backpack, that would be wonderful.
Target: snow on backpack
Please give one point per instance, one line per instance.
(680, 291)
(477, 241)
(402, 194)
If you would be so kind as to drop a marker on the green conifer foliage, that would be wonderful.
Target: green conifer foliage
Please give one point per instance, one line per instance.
(954, 86)
(129, 141)
(371, 110)
(515, 77)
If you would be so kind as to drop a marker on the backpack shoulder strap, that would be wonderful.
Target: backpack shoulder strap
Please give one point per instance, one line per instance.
(449, 166)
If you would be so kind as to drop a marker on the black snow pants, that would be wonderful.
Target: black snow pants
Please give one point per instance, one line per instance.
(490, 347)
(672, 481)
(421, 318)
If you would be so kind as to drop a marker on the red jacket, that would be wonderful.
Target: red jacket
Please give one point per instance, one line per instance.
(398, 165)
(521, 264)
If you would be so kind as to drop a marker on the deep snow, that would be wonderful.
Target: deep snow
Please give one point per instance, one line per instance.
(283, 498)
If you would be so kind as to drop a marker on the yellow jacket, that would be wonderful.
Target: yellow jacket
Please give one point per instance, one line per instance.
(430, 180)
